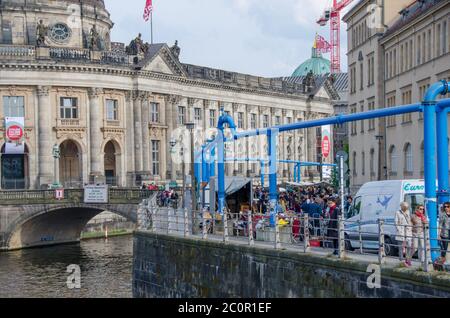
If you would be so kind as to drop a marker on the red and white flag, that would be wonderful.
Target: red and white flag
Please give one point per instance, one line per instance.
(148, 9)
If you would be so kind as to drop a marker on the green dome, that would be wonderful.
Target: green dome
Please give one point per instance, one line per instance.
(317, 64)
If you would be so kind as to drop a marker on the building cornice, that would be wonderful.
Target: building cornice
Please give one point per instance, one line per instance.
(117, 71)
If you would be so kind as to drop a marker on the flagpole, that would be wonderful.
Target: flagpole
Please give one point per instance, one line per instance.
(151, 24)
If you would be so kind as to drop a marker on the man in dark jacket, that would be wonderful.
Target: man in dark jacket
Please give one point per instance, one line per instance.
(333, 231)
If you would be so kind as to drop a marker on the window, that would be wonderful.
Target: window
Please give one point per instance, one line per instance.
(198, 116)
(277, 120)
(155, 157)
(112, 109)
(424, 41)
(289, 120)
(391, 121)
(372, 162)
(406, 56)
(181, 115)
(395, 63)
(444, 37)
(361, 71)
(212, 118)
(393, 160)
(362, 121)
(354, 164)
(408, 159)
(411, 58)
(68, 108)
(13, 106)
(154, 112)
(265, 121)
(418, 47)
(402, 59)
(429, 45)
(406, 99)
(355, 208)
(438, 40)
(353, 123)
(371, 106)
(253, 121)
(240, 120)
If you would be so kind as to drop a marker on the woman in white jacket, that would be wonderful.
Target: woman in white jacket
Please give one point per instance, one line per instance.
(404, 235)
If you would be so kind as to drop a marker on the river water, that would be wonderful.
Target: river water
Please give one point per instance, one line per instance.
(105, 268)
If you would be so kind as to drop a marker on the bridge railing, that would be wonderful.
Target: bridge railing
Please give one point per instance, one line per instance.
(304, 234)
(115, 196)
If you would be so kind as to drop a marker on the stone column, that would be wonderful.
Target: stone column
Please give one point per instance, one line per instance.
(129, 157)
(45, 136)
(137, 109)
(97, 173)
(145, 134)
(169, 102)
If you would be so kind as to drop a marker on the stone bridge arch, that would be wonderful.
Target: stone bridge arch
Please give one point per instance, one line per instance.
(40, 225)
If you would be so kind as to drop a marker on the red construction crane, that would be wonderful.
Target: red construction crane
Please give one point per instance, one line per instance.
(334, 16)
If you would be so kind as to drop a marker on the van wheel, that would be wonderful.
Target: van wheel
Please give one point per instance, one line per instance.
(348, 245)
(389, 248)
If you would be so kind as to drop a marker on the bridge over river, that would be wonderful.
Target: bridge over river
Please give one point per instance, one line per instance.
(37, 218)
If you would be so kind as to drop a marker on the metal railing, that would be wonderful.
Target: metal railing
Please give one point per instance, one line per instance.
(15, 184)
(115, 196)
(17, 51)
(326, 237)
(70, 54)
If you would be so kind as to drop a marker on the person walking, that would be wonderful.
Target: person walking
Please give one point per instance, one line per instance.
(444, 227)
(403, 226)
(419, 220)
(333, 227)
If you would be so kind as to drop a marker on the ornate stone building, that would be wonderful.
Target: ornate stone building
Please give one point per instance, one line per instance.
(112, 109)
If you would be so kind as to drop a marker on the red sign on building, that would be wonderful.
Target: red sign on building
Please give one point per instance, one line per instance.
(14, 133)
(326, 146)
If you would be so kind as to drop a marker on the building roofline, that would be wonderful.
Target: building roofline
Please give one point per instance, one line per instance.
(353, 10)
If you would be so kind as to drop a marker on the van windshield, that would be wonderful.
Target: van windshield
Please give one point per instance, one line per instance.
(414, 200)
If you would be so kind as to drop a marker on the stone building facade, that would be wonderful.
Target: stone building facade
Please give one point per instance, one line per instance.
(113, 110)
(393, 65)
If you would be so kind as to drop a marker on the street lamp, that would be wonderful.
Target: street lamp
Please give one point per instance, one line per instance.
(56, 155)
(190, 126)
(172, 143)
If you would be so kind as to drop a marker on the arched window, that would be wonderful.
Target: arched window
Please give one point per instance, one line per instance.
(354, 164)
(393, 161)
(408, 159)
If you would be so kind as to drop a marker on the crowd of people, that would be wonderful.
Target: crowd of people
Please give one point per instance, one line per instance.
(410, 232)
(320, 202)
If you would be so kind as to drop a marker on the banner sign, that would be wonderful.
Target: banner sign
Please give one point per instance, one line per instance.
(14, 135)
(96, 194)
(326, 141)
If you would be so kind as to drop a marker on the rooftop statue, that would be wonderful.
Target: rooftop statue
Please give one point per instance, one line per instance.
(94, 40)
(137, 46)
(41, 33)
(176, 49)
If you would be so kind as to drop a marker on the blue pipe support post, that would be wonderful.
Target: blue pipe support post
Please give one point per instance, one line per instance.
(224, 119)
(272, 138)
(442, 151)
(262, 174)
(429, 108)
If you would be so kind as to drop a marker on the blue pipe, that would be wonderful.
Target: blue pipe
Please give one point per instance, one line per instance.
(442, 152)
(429, 107)
(263, 169)
(340, 119)
(272, 138)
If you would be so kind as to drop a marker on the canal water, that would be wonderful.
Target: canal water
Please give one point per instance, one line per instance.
(105, 264)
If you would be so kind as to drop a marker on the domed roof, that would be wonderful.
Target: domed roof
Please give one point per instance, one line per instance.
(317, 64)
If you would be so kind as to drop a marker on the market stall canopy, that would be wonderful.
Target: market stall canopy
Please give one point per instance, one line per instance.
(233, 184)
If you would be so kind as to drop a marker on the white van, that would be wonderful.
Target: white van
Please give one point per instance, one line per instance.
(380, 200)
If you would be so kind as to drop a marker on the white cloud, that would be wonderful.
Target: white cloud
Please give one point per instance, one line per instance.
(261, 37)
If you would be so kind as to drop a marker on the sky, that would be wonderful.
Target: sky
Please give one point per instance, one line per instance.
(268, 38)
